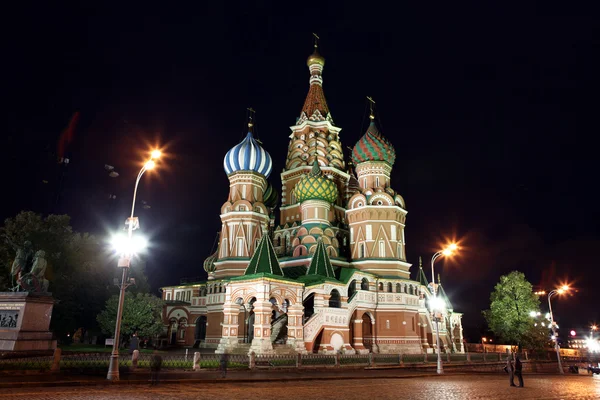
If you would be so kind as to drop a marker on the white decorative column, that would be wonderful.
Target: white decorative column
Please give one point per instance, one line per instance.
(229, 329)
(261, 343)
(295, 329)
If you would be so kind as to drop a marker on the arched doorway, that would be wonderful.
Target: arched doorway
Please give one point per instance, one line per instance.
(173, 331)
(200, 331)
(335, 300)
(351, 289)
(309, 306)
(251, 317)
(367, 332)
(364, 284)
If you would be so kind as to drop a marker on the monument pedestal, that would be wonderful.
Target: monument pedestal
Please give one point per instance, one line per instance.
(25, 321)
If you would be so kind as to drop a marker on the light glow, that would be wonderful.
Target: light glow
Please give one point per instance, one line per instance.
(592, 345)
(128, 247)
(573, 333)
(150, 164)
(532, 314)
(155, 155)
(437, 303)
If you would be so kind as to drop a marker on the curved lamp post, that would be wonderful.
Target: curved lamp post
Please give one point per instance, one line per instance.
(561, 290)
(126, 248)
(436, 304)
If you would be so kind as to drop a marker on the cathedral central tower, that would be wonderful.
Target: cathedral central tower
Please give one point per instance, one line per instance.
(314, 141)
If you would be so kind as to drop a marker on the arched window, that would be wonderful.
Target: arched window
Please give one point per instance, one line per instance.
(364, 284)
(335, 300)
(389, 287)
(411, 289)
(380, 286)
(361, 250)
(398, 288)
(168, 296)
(352, 289)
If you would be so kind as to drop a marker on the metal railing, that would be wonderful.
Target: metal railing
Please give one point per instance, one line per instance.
(85, 362)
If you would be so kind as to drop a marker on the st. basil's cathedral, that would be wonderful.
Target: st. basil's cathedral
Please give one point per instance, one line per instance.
(332, 276)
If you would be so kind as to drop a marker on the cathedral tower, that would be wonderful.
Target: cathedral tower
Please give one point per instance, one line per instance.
(314, 139)
(376, 213)
(244, 215)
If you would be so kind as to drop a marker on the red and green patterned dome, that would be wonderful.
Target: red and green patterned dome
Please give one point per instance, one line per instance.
(373, 147)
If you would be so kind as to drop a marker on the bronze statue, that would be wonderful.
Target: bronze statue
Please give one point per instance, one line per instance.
(31, 280)
(19, 265)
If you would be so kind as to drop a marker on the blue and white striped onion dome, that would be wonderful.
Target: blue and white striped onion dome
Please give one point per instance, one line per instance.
(248, 156)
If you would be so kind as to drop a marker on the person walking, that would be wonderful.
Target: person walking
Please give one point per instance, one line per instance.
(223, 365)
(519, 371)
(155, 365)
(510, 369)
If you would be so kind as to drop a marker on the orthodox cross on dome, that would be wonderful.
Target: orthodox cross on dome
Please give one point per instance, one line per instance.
(372, 108)
(316, 40)
(251, 113)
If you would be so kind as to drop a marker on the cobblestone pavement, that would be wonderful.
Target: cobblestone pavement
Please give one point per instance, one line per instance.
(449, 387)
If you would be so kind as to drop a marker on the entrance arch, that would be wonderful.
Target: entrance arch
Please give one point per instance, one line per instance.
(200, 331)
(367, 332)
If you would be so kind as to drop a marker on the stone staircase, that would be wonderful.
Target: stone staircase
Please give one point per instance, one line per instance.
(242, 348)
(279, 329)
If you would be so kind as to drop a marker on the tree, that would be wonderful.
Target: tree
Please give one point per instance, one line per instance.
(512, 301)
(142, 314)
(77, 267)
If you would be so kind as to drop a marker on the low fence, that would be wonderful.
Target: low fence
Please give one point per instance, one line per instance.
(93, 362)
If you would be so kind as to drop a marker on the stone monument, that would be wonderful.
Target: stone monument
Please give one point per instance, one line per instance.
(26, 310)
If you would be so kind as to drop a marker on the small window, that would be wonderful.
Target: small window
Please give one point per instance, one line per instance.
(242, 208)
(381, 248)
(178, 296)
(377, 182)
(168, 296)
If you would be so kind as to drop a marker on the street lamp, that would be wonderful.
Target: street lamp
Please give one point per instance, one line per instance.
(126, 248)
(436, 304)
(560, 290)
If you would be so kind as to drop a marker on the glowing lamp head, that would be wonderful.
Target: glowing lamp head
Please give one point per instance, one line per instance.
(533, 314)
(573, 333)
(594, 327)
(155, 155)
(123, 245)
(150, 164)
(451, 249)
(483, 339)
(437, 304)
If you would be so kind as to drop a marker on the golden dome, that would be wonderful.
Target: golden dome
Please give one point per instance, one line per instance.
(315, 58)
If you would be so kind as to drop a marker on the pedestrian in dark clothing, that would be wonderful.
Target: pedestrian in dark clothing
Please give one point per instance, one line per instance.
(223, 364)
(511, 370)
(519, 371)
(155, 365)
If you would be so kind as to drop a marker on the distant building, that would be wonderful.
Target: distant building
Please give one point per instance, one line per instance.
(333, 275)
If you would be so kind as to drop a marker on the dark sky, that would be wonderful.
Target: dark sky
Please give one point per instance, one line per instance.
(492, 112)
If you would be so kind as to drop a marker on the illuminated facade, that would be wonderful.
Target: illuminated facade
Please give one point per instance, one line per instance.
(332, 275)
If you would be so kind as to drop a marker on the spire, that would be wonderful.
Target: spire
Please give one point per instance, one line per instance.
(316, 170)
(320, 263)
(251, 113)
(264, 259)
(315, 100)
(421, 274)
(371, 108)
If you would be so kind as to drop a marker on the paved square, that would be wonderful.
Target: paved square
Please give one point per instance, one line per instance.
(451, 387)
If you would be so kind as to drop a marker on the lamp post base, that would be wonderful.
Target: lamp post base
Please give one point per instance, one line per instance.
(113, 368)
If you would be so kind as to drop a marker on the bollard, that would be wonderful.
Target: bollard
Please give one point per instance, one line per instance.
(425, 357)
(298, 360)
(484, 357)
(447, 356)
(196, 361)
(337, 359)
(400, 359)
(370, 359)
(252, 360)
(468, 357)
(56, 361)
(186, 354)
(526, 355)
(134, 359)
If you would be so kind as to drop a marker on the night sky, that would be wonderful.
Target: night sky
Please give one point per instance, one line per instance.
(492, 112)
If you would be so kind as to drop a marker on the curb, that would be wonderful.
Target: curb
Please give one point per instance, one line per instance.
(9, 385)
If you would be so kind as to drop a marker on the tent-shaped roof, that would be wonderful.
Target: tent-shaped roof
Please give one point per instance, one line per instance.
(264, 259)
(442, 294)
(421, 274)
(320, 263)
